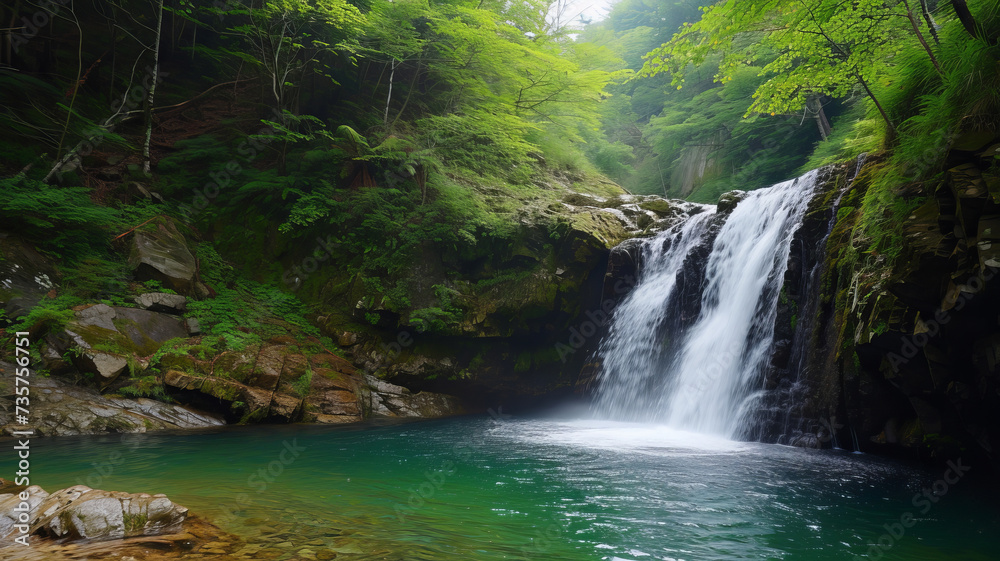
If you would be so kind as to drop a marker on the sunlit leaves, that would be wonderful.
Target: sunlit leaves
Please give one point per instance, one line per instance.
(823, 47)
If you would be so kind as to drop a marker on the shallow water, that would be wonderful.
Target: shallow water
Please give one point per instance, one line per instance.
(482, 489)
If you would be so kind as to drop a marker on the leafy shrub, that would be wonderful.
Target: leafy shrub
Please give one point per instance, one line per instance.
(60, 220)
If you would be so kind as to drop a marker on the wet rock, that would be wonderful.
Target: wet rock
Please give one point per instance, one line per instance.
(83, 523)
(728, 201)
(82, 513)
(988, 244)
(579, 199)
(658, 205)
(346, 338)
(805, 440)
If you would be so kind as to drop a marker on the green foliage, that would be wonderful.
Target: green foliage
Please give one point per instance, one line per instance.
(145, 386)
(288, 39)
(441, 317)
(883, 214)
(96, 278)
(49, 315)
(488, 144)
(302, 385)
(244, 312)
(61, 220)
(826, 47)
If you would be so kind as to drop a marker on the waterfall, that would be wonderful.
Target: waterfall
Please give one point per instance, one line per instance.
(691, 354)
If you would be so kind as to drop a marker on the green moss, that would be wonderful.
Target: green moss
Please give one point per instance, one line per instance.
(134, 522)
(302, 385)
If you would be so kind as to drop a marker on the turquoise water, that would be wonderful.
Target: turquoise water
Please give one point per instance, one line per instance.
(481, 489)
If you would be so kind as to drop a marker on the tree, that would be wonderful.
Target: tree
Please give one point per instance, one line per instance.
(824, 47)
(288, 38)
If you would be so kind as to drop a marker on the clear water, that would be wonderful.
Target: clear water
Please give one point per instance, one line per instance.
(537, 489)
(711, 379)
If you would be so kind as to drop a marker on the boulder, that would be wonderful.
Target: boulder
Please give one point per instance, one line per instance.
(106, 366)
(162, 302)
(103, 337)
(159, 252)
(728, 201)
(82, 513)
(148, 330)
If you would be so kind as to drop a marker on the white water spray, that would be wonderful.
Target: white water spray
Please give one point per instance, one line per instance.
(704, 375)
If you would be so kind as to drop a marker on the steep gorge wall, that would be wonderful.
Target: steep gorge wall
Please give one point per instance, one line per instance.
(901, 344)
(887, 345)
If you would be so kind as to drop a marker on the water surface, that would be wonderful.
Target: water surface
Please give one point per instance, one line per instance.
(481, 489)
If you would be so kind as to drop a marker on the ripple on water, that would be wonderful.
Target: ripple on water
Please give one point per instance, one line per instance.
(534, 490)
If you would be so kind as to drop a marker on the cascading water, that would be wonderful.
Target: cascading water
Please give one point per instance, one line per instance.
(703, 374)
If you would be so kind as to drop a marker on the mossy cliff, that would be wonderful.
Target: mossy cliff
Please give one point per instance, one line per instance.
(889, 332)
(225, 310)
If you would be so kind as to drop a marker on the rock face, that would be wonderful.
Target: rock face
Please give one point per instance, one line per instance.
(25, 277)
(276, 382)
(390, 400)
(894, 347)
(59, 409)
(488, 321)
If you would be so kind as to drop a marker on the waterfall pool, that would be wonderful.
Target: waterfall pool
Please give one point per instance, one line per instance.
(479, 488)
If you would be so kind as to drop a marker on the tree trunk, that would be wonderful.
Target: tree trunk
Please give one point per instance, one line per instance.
(413, 83)
(822, 123)
(965, 16)
(388, 96)
(76, 85)
(150, 93)
(920, 37)
(878, 105)
(931, 26)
